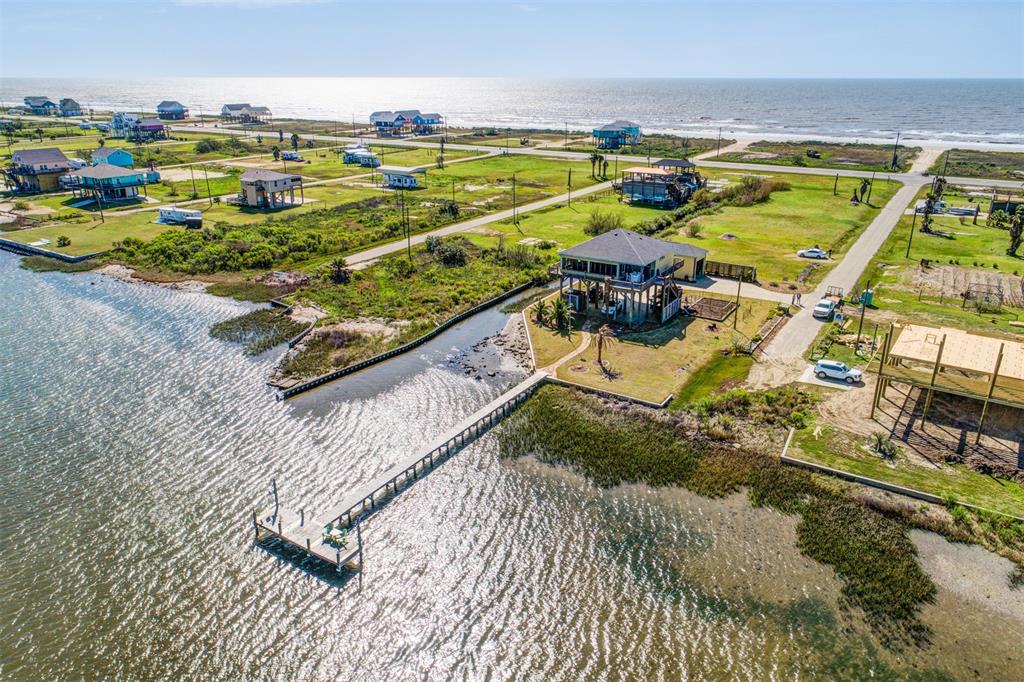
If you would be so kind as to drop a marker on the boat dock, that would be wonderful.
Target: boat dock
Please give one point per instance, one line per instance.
(309, 534)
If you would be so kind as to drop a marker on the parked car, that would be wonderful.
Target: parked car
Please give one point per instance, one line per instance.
(820, 254)
(833, 369)
(824, 309)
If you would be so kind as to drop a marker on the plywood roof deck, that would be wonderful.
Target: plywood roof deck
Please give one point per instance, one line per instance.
(962, 350)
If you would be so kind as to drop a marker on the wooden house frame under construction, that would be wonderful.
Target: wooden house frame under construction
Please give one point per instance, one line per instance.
(952, 361)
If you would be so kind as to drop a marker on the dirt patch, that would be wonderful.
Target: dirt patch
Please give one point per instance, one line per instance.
(306, 314)
(126, 274)
(759, 155)
(953, 281)
(33, 209)
(469, 187)
(182, 174)
(772, 372)
(367, 326)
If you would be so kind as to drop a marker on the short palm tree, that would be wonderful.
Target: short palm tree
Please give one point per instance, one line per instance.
(562, 313)
(541, 311)
(604, 335)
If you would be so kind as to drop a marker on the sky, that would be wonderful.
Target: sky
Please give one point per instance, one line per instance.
(533, 38)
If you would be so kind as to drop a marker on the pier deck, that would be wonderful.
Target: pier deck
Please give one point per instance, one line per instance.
(306, 534)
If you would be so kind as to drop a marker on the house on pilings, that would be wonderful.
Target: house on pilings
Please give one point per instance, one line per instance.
(668, 183)
(628, 277)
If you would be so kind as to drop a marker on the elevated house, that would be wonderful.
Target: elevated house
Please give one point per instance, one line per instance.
(629, 277)
(137, 128)
(245, 113)
(36, 170)
(267, 189)
(399, 178)
(108, 183)
(667, 184)
(40, 106)
(617, 134)
(69, 107)
(170, 110)
(115, 156)
(405, 122)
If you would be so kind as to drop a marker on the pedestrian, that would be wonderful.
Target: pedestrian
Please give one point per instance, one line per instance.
(798, 296)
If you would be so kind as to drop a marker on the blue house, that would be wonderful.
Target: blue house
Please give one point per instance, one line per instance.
(109, 183)
(617, 134)
(398, 123)
(41, 106)
(115, 156)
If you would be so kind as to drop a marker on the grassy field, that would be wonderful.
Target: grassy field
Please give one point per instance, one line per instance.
(659, 146)
(720, 373)
(835, 448)
(496, 137)
(871, 157)
(649, 365)
(766, 235)
(326, 164)
(905, 289)
(973, 163)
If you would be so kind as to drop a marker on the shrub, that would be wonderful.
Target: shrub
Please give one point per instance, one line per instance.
(63, 241)
(431, 243)
(451, 254)
(882, 446)
(600, 222)
(205, 146)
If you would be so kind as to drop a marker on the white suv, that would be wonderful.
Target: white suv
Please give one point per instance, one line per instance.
(833, 369)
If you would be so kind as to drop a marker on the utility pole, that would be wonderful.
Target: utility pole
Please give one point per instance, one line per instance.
(569, 185)
(910, 240)
(273, 486)
(408, 229)
(736, 315)
(719, 142)
(565, 142)
(515, 215)
(895, 151)
(835, 185)
(945, 164)
(871, 187)
(191, 170)
(863, 307)
(453, 191)
(208, 192)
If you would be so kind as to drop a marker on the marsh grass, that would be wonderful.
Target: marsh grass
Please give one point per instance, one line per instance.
(258, 330)
(46, 264)
(870, 551)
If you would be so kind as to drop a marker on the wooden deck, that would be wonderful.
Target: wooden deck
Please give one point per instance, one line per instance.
(306, 534)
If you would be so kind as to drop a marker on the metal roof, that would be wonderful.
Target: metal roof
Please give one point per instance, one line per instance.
(104, 171)
(170, 105)
(624, 246)
(675, 163)
(44, 155)
(104, 152)
(263, 175)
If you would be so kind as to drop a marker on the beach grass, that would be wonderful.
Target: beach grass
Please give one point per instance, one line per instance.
(976, 163)
(849, 156)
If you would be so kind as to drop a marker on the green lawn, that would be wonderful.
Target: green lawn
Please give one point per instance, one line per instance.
(659, 146)
(496, 137)
(721, 373)
(654, 364)
(932, 295)
(767, 235)
(872, 157)
(840, 450)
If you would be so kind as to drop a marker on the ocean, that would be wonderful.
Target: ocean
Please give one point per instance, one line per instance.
(986, 112)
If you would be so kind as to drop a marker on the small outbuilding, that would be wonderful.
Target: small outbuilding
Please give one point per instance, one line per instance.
(399, 178)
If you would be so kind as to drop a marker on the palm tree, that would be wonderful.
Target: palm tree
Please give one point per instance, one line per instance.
(276, 151)
(339, 273)
(541, 311)
(562, 313)
(295, 141)
(39, 133)
(1016, 231)
(604, 335)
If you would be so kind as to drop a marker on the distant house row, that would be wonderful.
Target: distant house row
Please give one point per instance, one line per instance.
(406, 121)
(110, 178)
(44, 106)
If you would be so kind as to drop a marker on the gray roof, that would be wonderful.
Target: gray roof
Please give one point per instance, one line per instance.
(619, 125)
(385, 116)
(104, 152)
(150, 122)
(259, 110)
(170, 105)
(45, 155)
(675, 163)
(104, 171)
(264, 175)
(236, 107)
(37, 101)
(623, 246)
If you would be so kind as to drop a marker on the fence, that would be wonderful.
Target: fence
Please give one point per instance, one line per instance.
(387, 355)
(744, 273)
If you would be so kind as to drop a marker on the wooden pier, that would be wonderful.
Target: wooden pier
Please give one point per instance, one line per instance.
(308, 534)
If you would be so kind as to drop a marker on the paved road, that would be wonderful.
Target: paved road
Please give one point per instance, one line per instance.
(798, 334)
